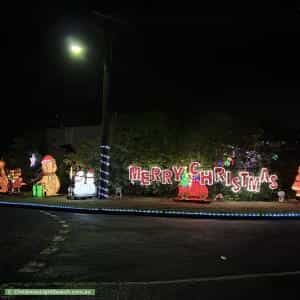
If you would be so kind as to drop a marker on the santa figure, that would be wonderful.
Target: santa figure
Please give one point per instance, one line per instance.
(296, 184)
(198, 191)
(49, 179)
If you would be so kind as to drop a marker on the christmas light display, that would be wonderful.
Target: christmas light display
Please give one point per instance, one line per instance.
(38, 190)
(3, 178)
(243, 180)
(160, 213)
(219, 197)
(15, 180)
(104, 172)
(198, 190)
(281, 196)
(33, 160)
(184, 185)
(79, 182)
(296, 184)
(50, 181)
(83, 185)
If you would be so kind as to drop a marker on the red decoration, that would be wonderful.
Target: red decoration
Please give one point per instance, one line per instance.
(167, 176)
(296, 184)
(206, 177)
(47, 158)
(195, 191)
(177, 172)
(15, 180)
(183, 192)
(3, 178)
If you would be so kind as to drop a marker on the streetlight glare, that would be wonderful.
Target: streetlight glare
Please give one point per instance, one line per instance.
(76, 49)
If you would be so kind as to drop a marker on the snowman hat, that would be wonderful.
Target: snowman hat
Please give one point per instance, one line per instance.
(47, 158)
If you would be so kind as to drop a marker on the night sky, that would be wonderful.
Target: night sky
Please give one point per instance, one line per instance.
(214, 56)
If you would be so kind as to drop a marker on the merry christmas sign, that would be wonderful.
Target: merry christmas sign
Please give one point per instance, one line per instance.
(237, 182)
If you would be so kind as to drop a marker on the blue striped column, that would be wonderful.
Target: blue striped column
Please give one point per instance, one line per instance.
(103, 188)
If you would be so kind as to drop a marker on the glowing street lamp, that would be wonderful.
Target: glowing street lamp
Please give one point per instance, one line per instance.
(109, 26)
(76, 49)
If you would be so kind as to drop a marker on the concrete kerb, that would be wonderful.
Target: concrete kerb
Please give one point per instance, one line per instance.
(157, 212)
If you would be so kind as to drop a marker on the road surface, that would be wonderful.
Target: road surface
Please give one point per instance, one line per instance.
(169, 255)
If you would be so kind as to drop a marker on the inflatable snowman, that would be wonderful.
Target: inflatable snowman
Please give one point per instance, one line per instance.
(84, 185)
(79, 184)
(91, 189)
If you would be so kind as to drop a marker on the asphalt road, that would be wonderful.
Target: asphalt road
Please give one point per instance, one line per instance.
(102, 248)
(23, 233)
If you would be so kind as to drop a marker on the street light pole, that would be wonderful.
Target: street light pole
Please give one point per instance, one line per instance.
(103, 187)
(110, 26)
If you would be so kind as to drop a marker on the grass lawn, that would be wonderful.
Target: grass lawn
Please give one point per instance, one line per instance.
(161, 203)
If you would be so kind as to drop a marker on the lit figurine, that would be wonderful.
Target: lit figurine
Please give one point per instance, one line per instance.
(16, 180)
(91, 189)
(219, 197)
(3, 178)
(281, 196)
(296, 184)
(49, 179)
(197, 190)
(79, 184)
(83, 185)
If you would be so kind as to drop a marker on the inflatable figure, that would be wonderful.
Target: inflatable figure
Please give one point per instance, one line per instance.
(91, 189)
(296, 184)
(83, 185)
(49, 179)
(3, 178)
(183, 186)
(16, 180)
(79, 184)
(197, 191)
(190, 188)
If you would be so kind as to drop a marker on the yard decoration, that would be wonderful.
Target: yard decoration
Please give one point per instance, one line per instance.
(33, 160)
(38, 190)
(197, 190)
(190, 188)
(3, 178)
(183, 185)
(79, 183)
(83, 184)
(281, 196)
(50, 181)
(236, 181)
(91, 188)
(15, 180)
(296, 184)
(219, 197)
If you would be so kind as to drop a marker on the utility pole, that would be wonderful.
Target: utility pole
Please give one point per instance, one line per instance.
(109, 25)
(103, 187)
